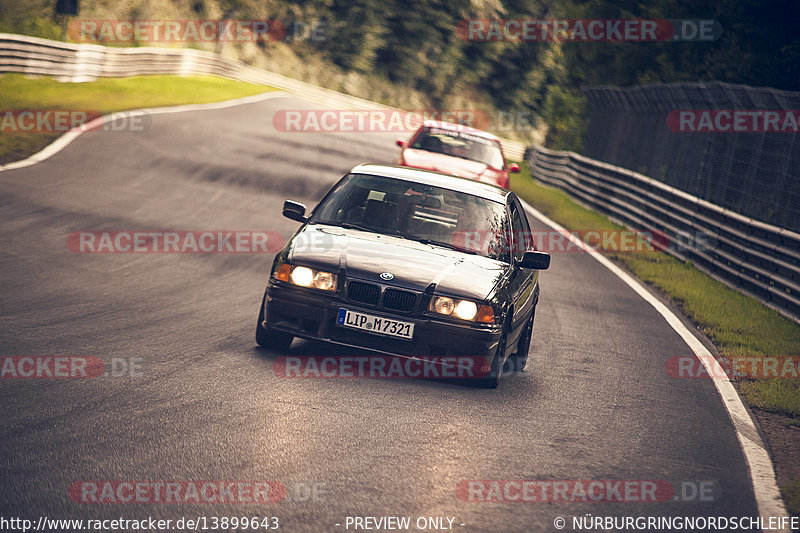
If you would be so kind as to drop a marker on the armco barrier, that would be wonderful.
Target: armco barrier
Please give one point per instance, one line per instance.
(759, 259)
(85, 62)
(741, 165)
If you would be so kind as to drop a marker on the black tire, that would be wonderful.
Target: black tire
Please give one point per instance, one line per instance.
(520, 358)
(492, 379)
(269, 338)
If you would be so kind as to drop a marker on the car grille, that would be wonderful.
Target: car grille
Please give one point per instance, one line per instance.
(365, 293)
(370, 294)
(399, 300)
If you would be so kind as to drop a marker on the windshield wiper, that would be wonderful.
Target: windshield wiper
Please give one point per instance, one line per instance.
(451, 246)
(348, 225)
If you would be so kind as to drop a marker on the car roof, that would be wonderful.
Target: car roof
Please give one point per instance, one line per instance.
(459, 127)
(436, 179)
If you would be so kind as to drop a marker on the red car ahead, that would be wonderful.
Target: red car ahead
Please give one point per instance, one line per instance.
(457, 150)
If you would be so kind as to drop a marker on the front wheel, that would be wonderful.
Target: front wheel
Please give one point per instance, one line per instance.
(492, 379)
(520, 358)
(269, 338)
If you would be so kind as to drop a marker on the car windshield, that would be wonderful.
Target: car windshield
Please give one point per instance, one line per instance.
(460, 144)
(424, 213)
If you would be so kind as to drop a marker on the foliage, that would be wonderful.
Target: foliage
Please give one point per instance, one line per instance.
(414, 45)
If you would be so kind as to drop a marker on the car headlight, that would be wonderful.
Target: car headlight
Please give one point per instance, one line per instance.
(306, 277)
(302, 276)
(466, 310)
(463, 309)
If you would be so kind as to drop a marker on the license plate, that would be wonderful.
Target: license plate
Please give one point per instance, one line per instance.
(375, 324)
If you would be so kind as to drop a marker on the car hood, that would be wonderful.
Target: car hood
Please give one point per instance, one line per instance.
(456, 166)
(364, 255)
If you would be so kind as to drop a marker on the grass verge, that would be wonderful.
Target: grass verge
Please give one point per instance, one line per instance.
(18, 92)
(791, 494)
(737, 324)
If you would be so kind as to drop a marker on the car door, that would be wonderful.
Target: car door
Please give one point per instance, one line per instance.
(522, 284)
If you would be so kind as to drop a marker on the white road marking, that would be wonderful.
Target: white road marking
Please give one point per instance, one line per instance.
(762, 473)
(62, 142)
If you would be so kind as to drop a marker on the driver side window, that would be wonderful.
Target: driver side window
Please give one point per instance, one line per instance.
(521, 237)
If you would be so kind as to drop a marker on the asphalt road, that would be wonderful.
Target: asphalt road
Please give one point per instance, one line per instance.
(204, 404)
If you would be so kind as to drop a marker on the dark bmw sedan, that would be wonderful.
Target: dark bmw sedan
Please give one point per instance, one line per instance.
(409, 263)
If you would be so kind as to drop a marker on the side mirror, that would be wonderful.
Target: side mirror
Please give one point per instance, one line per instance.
(401, 143)
(535, 259)
(294, 211)
(513, 168)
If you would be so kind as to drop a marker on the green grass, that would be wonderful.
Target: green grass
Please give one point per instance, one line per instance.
(739, 326)
(105, 95)
(791, 493)
(782, 396)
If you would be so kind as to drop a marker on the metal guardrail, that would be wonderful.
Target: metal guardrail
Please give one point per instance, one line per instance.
(756, 258)
(745, 166)
(85, 62)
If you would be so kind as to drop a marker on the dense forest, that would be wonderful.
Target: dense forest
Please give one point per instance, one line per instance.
(413, 48)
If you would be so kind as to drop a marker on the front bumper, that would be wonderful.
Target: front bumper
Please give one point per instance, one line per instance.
(312, 315)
